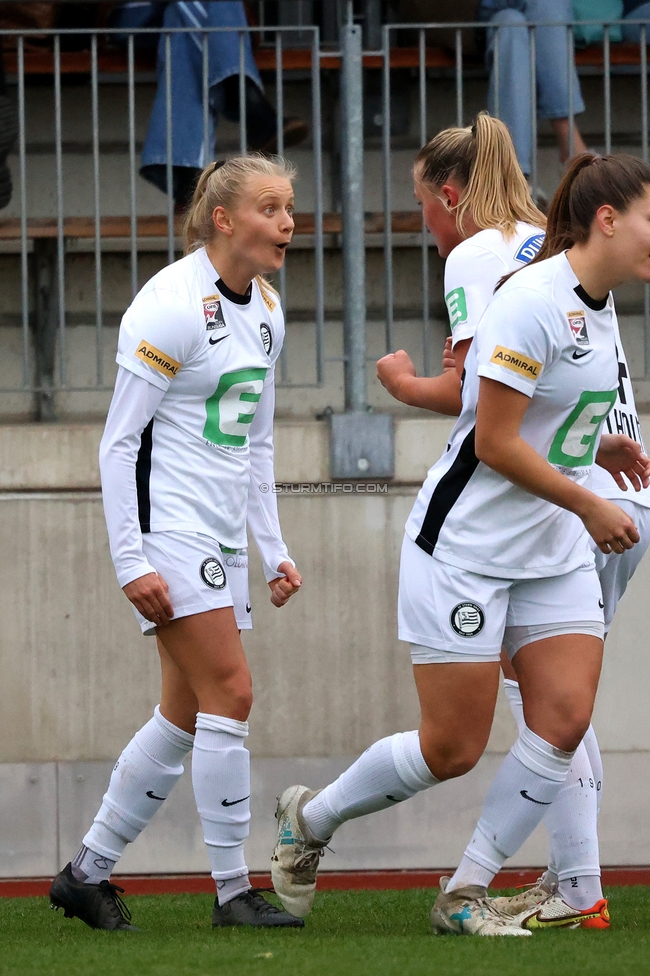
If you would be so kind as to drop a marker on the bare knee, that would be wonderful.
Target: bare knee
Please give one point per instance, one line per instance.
(448, 760)
(564, 728)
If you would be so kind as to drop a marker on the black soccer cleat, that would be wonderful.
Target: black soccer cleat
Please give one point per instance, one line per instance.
(98, 905)
(250, 908)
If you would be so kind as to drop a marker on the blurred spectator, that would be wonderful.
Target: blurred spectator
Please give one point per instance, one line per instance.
(186, 55)
(635, 10)
(8, 134)
(511, 82)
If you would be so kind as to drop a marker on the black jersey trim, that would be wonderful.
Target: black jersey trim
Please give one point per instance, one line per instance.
(447, 492)
(143, 477)
(233, 296)
(595, 304)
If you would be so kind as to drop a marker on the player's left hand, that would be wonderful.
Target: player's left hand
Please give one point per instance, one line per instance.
(285, 586)
(620, 455)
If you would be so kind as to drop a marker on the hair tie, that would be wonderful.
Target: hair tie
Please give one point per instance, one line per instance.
(219, 163)
(474, 131)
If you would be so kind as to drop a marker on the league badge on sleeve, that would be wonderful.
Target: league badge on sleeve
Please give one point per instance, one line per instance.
(267, 337)
(213, 314)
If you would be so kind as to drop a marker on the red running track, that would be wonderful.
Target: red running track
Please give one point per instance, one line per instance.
(192, 884)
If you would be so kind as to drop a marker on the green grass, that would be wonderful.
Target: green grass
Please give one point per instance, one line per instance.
(356, 933)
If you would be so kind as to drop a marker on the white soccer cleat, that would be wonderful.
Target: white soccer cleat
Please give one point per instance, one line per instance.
(294, 863)
(532, 896)
(469, 911)
(555, 913)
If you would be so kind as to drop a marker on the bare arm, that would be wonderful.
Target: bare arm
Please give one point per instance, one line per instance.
(438, 393)
(499, 445)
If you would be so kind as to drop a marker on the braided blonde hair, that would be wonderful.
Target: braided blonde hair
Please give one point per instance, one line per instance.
(221, 185)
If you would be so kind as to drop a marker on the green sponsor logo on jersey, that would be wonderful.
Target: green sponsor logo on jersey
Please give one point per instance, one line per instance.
(573, 445)
(456, 306)
(231, 408)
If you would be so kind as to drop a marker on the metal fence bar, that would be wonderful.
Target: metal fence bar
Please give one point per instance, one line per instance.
(607, 91)
(60, 238)
(279, 135)
(459, 77)
(205, 98)
(387, 201)
(132, 170)
(242, 96)
(97, 213)
(169, 168)
(424, 247)
(644, 94)
(354, 255)
(319, 250)
(495, 70)
(533, 107)
(570, 60)
(24, 258)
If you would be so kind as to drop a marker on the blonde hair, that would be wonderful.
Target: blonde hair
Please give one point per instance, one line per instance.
(221, 185)
(482, 159)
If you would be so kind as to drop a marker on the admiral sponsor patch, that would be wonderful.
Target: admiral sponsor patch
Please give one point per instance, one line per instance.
(268, 301)
(578, 326)
(157, 359)
(517, 362)
(213, 313)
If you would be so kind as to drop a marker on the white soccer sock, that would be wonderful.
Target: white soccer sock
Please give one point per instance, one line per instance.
(391, 770)
(595, 761)
(142, 778)
(222, 784)
(524, 787)
(572, 822)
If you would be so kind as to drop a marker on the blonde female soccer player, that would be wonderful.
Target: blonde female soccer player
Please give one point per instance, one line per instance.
(513, 479)
(188, 442)
(472, 271)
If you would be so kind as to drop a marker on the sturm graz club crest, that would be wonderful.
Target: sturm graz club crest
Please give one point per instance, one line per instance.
(213, 573)
(467, 619)
(267, 338)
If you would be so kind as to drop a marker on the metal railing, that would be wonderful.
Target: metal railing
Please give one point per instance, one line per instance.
(441, 84)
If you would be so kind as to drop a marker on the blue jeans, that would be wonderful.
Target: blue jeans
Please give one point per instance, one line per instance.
(186, 51)
(632, 32)
(513, 76)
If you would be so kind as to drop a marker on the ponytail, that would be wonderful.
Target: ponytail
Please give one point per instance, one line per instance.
(590, 182)
(483, 161)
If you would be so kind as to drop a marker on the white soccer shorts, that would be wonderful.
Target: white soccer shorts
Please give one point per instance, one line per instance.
(616, 571)
(200, 575)
(449, 614)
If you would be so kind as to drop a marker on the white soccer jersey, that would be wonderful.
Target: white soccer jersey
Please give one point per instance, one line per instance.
(474, 268)
(540, 337)
(623, 419)
(207, 356)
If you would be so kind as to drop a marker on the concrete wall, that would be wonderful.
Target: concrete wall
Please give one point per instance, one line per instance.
(330, 676)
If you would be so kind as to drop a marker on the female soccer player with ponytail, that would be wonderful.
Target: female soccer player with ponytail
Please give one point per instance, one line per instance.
(472, 272)
(514, 477)
(187, 445)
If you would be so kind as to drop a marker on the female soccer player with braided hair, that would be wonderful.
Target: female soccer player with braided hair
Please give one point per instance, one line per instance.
(187, 445)
(472, 271)
(514, 477)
